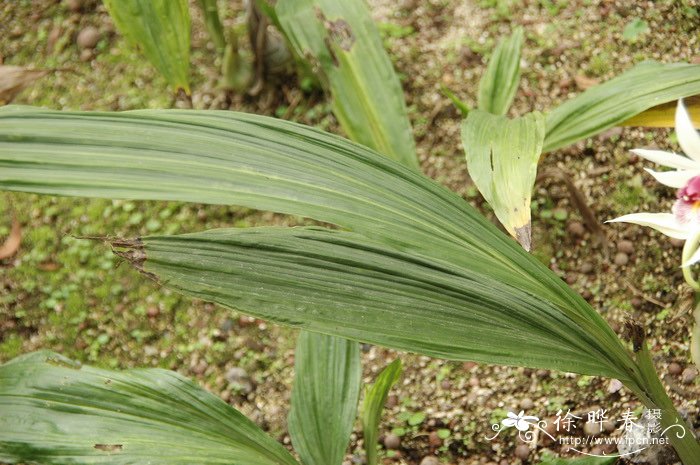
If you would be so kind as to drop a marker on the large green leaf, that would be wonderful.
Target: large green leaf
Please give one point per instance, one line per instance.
(264, 163)
(373, 405)
(327, 377)
(601, 107)
(340, 283)
(161, 29)
(55, 411)
(502, 157)
(500, 81)
(344, 47)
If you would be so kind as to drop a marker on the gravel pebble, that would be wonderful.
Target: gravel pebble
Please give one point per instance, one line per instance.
(88, 37)
(576, 229)
(625, 246)
(621, 259)
(689, 375)
(522, 452)
(526, 404)
(392, 441)
(674, 369)
(430, 460)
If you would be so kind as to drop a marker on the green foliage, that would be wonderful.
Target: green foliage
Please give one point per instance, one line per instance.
(55, 411)
(500, 81)
(372, 406)
(502, 157)
(210, 11)
(342, 44)
(619, 99)
(324, 398)
(635, 29)
(412, 237)
(161, 30)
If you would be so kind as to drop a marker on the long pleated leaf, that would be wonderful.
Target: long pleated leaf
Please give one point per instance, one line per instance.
(373, 405)
(499, 83)
(161, 30)
(601, 107)
(346, 285)
(327, 377)
(55, 411)
(264, 163)
(341, 42)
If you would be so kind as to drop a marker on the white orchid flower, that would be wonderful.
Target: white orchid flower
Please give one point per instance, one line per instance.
(521, 421)
(684, 220)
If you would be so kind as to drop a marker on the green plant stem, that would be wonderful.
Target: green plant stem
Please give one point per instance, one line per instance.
(654, 397)
(689, 248)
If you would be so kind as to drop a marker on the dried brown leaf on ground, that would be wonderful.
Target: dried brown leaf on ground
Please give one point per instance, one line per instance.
(11, 244)
(14, 79)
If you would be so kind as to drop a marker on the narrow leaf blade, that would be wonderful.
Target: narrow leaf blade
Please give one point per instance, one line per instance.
(499, 83)
(343, 284)
(373, 405)
(342, 43)
(601, 107)
(324, 398)
(55, 411)
(161, 29)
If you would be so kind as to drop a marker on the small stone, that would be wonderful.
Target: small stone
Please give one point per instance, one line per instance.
(392, 441)
(434, 440)
(587, 267)
(587, 294)
(526, 403)
(392, 401)
(16, 32)
(152, 311)
(592, 428)
(74, 5)
(445, 384)
(576, 229)
(200, 367)
(689, 375)
(88, 38)
(614, 386)
(637, 302)
(474, 381)
(522, 452)
(570, 279)
(625, 247)
(86, 54)
(609, 426)
(621, 259)
(237, 375)
(674, 369)
(430, 460)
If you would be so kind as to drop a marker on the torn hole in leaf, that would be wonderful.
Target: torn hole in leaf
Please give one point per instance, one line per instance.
(109, 447)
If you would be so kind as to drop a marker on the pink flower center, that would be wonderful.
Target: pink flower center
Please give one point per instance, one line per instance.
(691, 192)
(687, 207)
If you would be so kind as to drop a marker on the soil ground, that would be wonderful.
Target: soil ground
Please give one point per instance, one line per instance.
(70, 295)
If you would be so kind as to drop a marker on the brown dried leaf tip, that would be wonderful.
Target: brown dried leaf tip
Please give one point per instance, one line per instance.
(634, 332)
(132, 251)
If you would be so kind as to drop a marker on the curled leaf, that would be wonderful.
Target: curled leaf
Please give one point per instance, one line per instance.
(502, 157)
